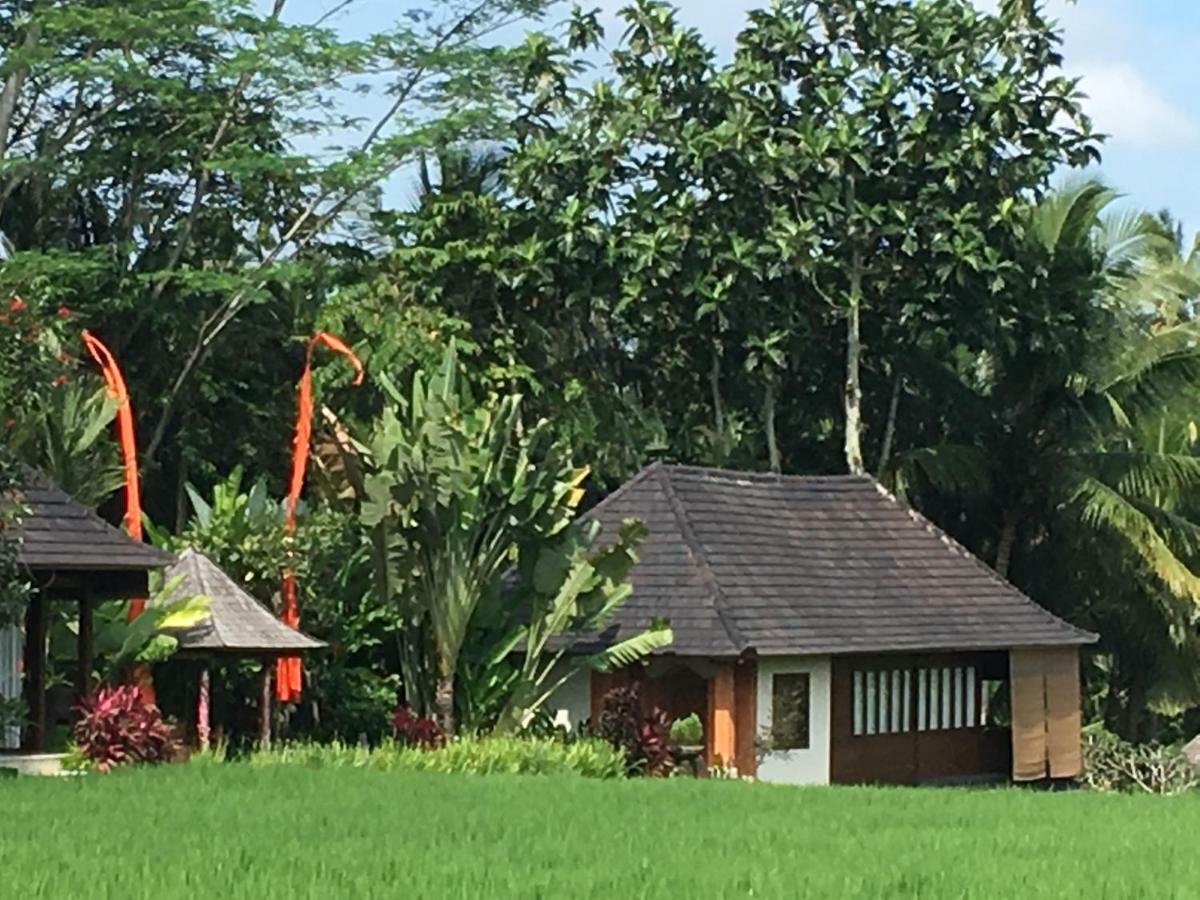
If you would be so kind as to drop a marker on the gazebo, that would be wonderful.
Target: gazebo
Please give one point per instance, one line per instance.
(70, 554)
(238, 625)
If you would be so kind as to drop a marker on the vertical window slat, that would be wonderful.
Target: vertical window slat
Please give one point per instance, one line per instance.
(906, 721)
(871, 717)
(858, 702)
(922, 699)
(885, 702)
(935, 706)
(959, 699)
(897, 703)
(947, 698)
(972, 722)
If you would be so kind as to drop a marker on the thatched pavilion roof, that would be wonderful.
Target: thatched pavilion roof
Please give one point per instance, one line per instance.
(237, 624)
(67, 547)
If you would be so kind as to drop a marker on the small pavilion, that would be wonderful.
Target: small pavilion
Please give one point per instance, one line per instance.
(238, 626)
(71, 555)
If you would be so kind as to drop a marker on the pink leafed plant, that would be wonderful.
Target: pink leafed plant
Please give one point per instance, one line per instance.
(117, 727)
(416, 731)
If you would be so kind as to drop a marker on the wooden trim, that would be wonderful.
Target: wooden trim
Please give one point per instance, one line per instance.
(722, 742)
(84, 641)
(745, 715)
(264, 707)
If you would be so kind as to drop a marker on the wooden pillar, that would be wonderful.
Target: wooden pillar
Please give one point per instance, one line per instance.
(203, 721)
(84, 642)
(745, 717)
(264, 707)
(722, 733)
(35, 673)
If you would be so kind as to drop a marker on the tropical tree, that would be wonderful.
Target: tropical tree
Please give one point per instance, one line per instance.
(455, 489)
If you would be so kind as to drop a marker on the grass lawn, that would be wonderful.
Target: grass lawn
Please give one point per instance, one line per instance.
(235, 832)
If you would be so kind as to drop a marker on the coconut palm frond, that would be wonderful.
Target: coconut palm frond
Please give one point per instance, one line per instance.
(1156, 477)
(1104, 507)
(1067, 216)
(954, 468)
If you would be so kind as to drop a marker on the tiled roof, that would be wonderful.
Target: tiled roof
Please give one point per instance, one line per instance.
(237, 623)
(775, 564)
(59, 534)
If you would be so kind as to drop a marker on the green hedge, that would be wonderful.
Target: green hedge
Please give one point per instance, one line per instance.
(468, 755)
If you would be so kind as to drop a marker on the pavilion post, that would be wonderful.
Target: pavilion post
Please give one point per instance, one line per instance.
(264, 707)
(35, 673)
(203, 730)
(83, 682)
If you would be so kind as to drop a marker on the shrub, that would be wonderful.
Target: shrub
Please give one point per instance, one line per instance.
(468, 755)
(416, 731)
(1112, 764)
(116, 728)
(688, 731)
(644, 740)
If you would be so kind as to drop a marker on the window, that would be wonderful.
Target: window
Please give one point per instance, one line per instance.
(789, 711)
(895, 701)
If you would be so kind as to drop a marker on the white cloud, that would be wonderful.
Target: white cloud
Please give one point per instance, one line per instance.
(1125, 106)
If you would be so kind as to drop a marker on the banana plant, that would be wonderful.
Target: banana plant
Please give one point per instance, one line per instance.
(568, 592)
(148, 638)
(67, 438)
(454, 487)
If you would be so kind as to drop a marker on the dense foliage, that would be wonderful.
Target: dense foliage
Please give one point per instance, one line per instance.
(292, 831)
(462, 756)
(844, 247)
(642, 737)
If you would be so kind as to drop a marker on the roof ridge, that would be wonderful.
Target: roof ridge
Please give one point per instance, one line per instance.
(696, 551)
(201, 574)
(643, 473)
(955, 547)
(762, 476)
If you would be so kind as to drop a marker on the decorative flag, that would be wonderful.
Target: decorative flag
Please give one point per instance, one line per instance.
(287, 669)
(133, 499)
(125, 436)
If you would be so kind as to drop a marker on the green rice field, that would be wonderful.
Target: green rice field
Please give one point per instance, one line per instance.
(232, 831)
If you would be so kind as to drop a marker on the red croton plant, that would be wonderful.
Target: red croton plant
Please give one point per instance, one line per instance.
(117, 728)
(416, 731)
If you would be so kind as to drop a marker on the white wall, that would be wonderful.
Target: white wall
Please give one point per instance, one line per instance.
(572, 702)
(809, 766)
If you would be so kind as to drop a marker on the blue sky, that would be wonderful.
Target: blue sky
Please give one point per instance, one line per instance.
(1137, 59)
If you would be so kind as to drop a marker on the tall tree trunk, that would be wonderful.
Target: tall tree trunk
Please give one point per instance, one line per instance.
(1009, 521)
(714, 383)
(889, 431)
(769, 426)
(854, 456)
(12, 89)
(443, 702)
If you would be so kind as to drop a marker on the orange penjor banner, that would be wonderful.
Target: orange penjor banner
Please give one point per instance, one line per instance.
(125, 435)
(287, 669)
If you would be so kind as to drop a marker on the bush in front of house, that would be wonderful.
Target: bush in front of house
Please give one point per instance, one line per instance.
(117, 727)
(644, 740)
(416, 731)
(1113, 764)
(588, 758)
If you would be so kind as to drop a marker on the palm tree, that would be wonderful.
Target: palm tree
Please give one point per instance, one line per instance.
(1059, 408)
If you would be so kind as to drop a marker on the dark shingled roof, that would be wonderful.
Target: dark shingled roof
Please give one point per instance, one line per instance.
(773, 564)
(58, 534)
(237, 623)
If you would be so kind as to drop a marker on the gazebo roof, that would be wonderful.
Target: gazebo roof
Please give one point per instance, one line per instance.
(61, 535)
(237, 622)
